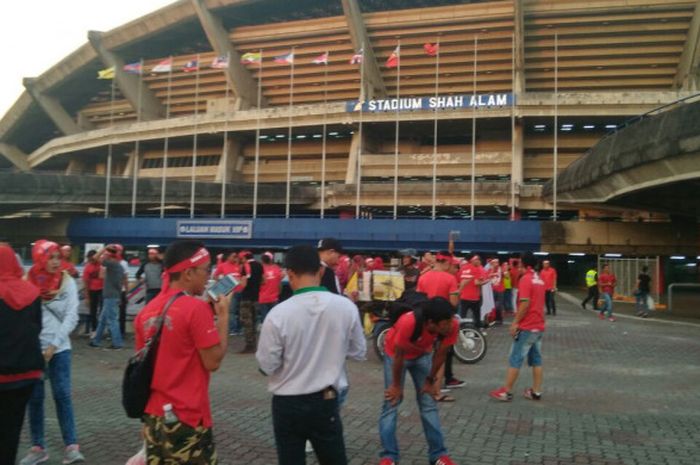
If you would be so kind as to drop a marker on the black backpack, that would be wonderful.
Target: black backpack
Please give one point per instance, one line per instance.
(410, 300)
(136, 385)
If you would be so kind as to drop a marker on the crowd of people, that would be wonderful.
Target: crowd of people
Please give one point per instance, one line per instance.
(300, 320)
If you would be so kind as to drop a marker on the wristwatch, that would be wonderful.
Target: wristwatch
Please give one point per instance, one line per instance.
(430, 379)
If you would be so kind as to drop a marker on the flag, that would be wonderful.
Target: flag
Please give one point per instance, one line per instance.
(322, 59)
(251, 57)
(287, 59)
(164, 66)
(357, 57)
(192, 65)
(107, 73)
(431, 49)
(220, 62)
(133, 68)
(393, 60)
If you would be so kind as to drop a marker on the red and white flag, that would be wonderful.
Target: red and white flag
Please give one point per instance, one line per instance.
(431, 49)
(164, 66)
(322, 59)
(393, 60)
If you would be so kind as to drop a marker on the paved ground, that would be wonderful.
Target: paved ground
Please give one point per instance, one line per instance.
(615, 393)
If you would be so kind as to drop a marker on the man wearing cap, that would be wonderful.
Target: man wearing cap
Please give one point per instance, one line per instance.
(192, 345)
(150, 274)
(114, 281)
(471, 279)
(252, 279)
(329, 251)
(304, 343)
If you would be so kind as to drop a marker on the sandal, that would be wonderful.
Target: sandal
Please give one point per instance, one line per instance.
(444, 398)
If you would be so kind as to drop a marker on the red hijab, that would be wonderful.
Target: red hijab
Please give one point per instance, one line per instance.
(45, 281)
(14, 291)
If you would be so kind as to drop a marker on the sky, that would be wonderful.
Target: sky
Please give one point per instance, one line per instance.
(36, 34)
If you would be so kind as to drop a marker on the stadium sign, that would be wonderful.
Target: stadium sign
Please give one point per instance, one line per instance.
(206, 229)
(451, 102)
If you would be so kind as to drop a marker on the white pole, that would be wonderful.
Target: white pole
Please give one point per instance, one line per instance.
(473, 183)
(512, 137)
(323, 146)
(224, 149)
(289, 141)
(556, 121)
(108, 181)
(435, 130)
(166, 141)
(359, 149)
(136, 159)
(396, 136)
(256, 168)
(193, 180)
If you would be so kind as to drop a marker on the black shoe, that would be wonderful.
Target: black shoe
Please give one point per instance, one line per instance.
(583, 306)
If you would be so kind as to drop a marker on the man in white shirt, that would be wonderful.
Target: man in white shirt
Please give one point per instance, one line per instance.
(303, 346)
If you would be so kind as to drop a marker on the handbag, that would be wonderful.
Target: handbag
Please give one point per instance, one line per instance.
(136, 385)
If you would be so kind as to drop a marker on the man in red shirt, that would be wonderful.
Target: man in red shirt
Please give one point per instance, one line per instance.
(270, 287)
(232, 266)
(527, 329)
(66, 263)
(607, 282)
(549, 276)
(93, 284)
(192, 345)
(404, 353)
(496, 276)
(471, 279)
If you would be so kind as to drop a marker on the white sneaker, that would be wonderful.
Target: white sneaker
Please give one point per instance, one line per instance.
(72, 454)
(35, 455)
(309, 448)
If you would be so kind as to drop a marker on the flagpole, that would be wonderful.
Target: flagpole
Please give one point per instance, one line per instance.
(289, 142)
(136, 158)
(256, 168)
(556, 121)
(323, 147)
(166, 141)
(359, 148)
(108, 180)
(435, 129)
(193, 180)
(225, 144)
(512, 135)
(396, 135)
(473, 183)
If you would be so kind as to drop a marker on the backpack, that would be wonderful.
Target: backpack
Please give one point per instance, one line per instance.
(410, 300)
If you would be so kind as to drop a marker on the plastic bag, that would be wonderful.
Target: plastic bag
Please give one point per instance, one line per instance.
(651, 305)
(139, 458)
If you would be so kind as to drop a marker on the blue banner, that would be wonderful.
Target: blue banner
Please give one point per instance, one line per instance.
(450, 102)
(212, 229)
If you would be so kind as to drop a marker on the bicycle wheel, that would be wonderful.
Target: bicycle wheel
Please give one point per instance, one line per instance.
(471, 344)
(380, 332)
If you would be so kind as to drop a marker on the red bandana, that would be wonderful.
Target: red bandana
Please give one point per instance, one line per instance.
(200, 257)
(45, 281)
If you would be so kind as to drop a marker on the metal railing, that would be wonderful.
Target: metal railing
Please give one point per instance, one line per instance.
(676, 286)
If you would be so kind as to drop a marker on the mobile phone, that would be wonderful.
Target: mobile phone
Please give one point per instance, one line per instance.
(222, 287)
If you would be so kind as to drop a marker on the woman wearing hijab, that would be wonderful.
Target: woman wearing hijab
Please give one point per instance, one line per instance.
(59, 306)
(21, 362)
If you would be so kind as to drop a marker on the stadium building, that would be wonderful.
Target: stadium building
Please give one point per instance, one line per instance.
(412, 110)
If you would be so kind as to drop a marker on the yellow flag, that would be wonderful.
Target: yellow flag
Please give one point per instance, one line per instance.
(107, 73)
(351, 286)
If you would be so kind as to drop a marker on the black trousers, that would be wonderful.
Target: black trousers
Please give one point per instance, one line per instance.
(550, 303)
(475, 307)
(13, 404)
(95, 305)
(593, 294)
(122, 313)
(296, 419)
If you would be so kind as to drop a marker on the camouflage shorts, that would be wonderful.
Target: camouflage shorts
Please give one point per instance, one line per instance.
(177, 444)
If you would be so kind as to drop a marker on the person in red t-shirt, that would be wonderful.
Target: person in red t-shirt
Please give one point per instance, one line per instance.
(472, 276)
(527, 329)
(607, 282)
(270, 287)
(427, 263)
(549, 276)
(496, 277)
(93, 284)
(66, 264)
(406, 354)
(192, 345)
(232, 266)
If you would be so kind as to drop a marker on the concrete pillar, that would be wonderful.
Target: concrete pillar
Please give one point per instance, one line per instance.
(688, 72)
(53, 108)
(231, 162)
(76, 166)
(351, 172)
(151, 107)
(15, 156)
(518, 158)
(239, 77)
(519, 36)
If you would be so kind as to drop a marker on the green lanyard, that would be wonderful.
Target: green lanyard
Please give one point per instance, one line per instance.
(304, 290)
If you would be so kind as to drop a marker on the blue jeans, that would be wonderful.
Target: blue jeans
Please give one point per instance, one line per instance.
(641, 302)
(58, 372)
(527, 344)
(263, 310)
(607, 305)
(419, 369)
(109, 319)
(508, 300)
(234, 326)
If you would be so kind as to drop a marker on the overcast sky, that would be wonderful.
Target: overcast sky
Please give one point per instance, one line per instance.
(36, 34)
